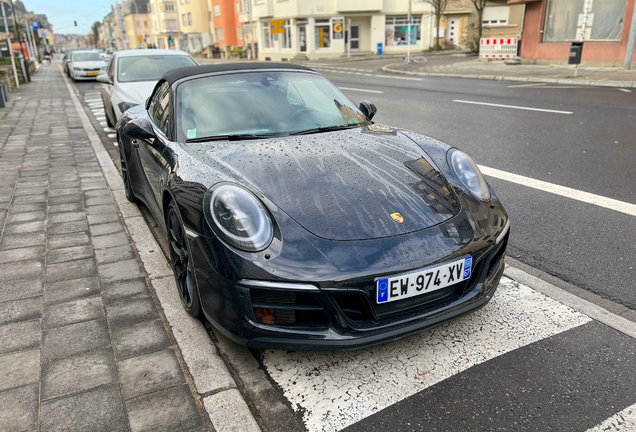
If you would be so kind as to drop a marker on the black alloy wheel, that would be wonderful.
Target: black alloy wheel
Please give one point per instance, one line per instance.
(182, 263)
(108, 122)
(130, 196)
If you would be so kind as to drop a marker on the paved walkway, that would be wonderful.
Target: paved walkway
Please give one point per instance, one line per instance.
(498, 70)
(82, 344)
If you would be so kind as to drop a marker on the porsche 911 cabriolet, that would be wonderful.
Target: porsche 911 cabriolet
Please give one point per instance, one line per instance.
(296, 222)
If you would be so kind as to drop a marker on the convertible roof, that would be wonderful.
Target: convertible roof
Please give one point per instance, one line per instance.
(176, 74)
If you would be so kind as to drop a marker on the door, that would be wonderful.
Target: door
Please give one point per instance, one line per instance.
(452, 34)
(355, 38)
(302, 38)
(107, 91)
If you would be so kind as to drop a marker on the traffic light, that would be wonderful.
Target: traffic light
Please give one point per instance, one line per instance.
(169, 39)
(47, 41)
(75, 22)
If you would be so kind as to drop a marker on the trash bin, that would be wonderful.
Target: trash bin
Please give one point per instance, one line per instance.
(576, 51)
(379, 48)
(3, 95)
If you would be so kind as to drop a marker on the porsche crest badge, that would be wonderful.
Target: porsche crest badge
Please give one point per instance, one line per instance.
(397, 217)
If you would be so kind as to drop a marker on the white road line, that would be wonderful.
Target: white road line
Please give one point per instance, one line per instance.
(112, 135)
(564, 191)
(337, 389)
(624, 90)
(396, 77)
(103, 124)
(512, 107)
(527, 85)
(623, 421)
(115, 144)
(361, 90)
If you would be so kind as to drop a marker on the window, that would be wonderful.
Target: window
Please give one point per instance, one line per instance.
(267, 36)
(246, 6)
(323, 34)
(564, 20)
(286, 40)
(159, 108)
(495, 15)
(149, 67)
(239, 33)
(237, 6)
(138, 24)
(258, 2)
(183, 18)
(396, 30)
(169, 7)
(171, 24)
(219, 33)
(181, 1)
(217, 9)
(189, 18)
(146, 24)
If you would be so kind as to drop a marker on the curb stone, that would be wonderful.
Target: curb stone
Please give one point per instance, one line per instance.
(614, 84)
(208, 370)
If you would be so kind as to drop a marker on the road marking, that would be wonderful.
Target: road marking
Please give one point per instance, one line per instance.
(512, 107)
(361, 90)
(564, 191)
(115, 144)
(621, 421)
(624, 90)
(337, 389)
(397, 77)
(527, 85)
(112, 135)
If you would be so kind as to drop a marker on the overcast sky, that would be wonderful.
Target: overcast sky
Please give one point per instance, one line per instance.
(62, 13)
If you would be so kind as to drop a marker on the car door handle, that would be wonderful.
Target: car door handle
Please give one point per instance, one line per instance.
(135, 143)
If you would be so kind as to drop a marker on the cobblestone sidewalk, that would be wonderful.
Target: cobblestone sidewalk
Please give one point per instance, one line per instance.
(82, 344)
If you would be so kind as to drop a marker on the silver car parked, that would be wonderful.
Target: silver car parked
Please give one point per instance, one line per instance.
(85, 65)
(131, 76)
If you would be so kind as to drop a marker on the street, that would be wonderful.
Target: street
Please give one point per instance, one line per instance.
(526, 361)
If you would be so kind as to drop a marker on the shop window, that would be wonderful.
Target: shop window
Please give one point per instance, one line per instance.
(396, 30)
(286, 40)
(267, 36)
(564, 20)
(323, 34)
(495, 15)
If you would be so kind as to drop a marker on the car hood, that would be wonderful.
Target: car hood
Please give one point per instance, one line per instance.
(356, 184)
(89, 64)
(135, 92)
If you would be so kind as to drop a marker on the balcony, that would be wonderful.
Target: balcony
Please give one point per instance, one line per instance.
(244, 17)
(358, 5)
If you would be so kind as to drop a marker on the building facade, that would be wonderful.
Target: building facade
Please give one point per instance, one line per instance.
(165, 23)
(550, 26)
(138, 23)
(119, 26)
(195, 25)
(228, 31)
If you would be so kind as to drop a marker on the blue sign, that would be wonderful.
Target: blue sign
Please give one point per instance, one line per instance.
(383, 290)
(468, 263)
(171, 32)
(35, 25)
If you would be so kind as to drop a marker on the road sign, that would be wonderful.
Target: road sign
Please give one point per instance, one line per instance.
(140, 38)
(171, 33)
(35, 25)
(277, 26)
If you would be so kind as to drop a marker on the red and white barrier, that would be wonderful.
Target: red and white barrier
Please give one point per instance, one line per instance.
(498, 47)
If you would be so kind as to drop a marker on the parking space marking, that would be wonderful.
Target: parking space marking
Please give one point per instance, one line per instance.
(624, 420)
(337, 389)
(361, 90)
(624, 90)
(586, 197)
(512, 107)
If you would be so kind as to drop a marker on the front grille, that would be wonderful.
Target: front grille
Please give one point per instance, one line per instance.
(90, 69)
(286, 308)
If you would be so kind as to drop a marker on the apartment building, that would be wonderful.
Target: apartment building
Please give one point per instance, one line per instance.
(138, 23)
(165, 23)
(228, 31)
(119, 26)
(195, 25)
(331, 28)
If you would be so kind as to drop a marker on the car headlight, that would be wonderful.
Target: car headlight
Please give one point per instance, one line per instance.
(240, 218)
(125, 106)
(469, 174)
(77, 69)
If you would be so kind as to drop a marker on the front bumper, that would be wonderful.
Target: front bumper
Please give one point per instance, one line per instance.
(83, 75)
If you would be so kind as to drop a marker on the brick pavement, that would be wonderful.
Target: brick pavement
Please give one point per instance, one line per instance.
(82, 344)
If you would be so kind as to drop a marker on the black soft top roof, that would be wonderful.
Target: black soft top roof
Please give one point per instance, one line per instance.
(176, 74)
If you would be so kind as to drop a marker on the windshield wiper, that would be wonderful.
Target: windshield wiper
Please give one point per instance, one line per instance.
(325, 129)
(232, 137)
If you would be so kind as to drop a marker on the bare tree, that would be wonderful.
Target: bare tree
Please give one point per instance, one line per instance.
(439, 6)
(480, 5)
(95, 29)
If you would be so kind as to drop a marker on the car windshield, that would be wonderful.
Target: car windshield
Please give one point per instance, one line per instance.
(262, 103)
(149, 68)
(86, 56)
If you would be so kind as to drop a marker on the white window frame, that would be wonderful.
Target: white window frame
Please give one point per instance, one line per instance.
(218, 31)
(189, 18)
(184, 19)
(495, 15)
(216, 9)
(322, 23)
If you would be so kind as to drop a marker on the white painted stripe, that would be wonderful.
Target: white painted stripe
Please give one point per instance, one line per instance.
(397, 77)
(107, 129)
(624, 90)
(113, 135)
(361, 90)
(564, 191)
(337, 389)
(512, 107)
(623, 421)
(527, 85)
(92, 100)
(115, 144)
(104, 125)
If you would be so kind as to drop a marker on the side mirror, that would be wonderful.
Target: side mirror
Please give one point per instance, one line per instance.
(368, 109)
(139, 128)
(104, 78)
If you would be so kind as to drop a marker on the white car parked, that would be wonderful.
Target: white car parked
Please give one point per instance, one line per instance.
(131, 76)
(85, 65)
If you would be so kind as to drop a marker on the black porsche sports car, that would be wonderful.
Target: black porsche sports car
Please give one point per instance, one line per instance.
(295, 222)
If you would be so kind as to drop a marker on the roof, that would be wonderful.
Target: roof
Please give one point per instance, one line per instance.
(149, 52)
(176, 74)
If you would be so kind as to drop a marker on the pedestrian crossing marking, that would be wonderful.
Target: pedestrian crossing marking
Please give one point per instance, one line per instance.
(624, 420)
(337, 389)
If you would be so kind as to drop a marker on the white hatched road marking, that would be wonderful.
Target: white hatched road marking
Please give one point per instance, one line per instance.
(586, 197)
(112, 135)
(107, 129)
(624, 90)
(115, 144)
(361, 90)
(623, 421)
(512, 107)
(337, 389)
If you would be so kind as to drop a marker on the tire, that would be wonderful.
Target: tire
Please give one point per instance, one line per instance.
(108, 122)
(181, 262)
(130, 196)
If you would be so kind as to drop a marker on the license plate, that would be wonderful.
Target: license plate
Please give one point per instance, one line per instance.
(423, 281)
(93, 73)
